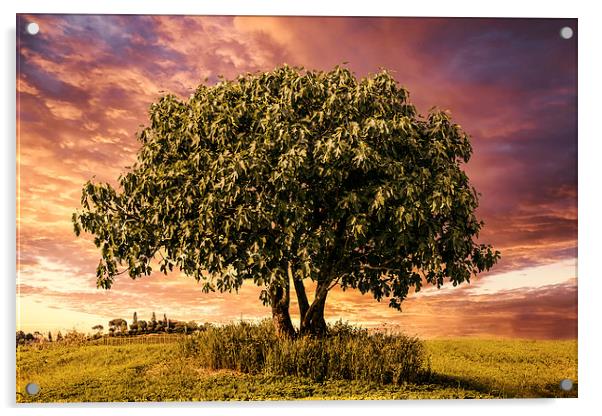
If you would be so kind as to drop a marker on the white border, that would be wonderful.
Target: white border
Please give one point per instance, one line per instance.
(590, 281)
(509, 8)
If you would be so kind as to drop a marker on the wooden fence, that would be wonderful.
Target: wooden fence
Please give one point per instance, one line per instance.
(140, 339)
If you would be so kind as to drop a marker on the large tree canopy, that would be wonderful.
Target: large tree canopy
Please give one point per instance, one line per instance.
(292, 175)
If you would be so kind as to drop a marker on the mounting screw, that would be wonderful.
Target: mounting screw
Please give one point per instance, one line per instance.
(566, 32)
(33, 28)
(566, 384)
(32, 389)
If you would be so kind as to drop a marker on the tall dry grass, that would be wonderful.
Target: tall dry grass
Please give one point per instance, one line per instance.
(347, 353)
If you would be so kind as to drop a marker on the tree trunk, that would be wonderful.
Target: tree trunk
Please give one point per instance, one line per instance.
(280, 299)
(313, 322)
(301, 294)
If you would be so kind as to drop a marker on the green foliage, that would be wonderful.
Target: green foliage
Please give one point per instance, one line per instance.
(117, 322)
(256, 348)
(337, 177)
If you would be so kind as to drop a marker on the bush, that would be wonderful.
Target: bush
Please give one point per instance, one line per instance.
(348, 353)
(74, 337)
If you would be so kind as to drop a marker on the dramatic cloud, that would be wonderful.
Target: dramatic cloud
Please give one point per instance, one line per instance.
(85, 83)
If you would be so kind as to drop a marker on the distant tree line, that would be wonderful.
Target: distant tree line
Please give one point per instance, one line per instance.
(116, 327)
(38, 338)
(120, 327)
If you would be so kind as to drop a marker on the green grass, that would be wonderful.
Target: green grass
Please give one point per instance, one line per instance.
(463, 368)
(506, 368)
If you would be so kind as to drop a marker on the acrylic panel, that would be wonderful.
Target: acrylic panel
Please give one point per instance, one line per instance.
(218, 208)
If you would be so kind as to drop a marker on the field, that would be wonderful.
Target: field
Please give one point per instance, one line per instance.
(461, 368)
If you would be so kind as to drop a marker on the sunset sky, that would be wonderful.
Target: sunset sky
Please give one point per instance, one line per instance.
(85, 82)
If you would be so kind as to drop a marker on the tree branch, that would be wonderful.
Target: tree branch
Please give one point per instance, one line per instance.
(379, 268)
(337, 280)
(301, 294)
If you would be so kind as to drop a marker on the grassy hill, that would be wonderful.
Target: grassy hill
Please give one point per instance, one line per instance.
(461, 368)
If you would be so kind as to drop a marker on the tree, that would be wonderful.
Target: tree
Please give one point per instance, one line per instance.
(293, 176)
(118, 324)
(59, 336)
(153, 322)
(49, 336)
(192, 326)
(20, 338)
(74, 337)
(179, 326)
(98, 334)
(142, 325)
(134, 327)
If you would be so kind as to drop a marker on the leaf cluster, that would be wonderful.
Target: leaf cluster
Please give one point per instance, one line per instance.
(338, 177)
